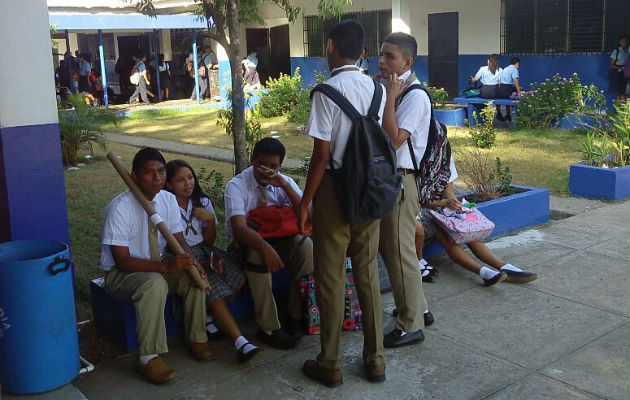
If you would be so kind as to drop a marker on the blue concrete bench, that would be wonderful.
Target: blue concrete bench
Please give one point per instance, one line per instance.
(118, 318)
(471, 101)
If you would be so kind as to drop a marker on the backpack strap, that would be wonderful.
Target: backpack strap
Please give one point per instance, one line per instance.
(337, 98)
(431, 139)
(375, 105)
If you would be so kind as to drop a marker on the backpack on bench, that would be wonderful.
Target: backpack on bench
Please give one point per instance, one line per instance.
(367, 183)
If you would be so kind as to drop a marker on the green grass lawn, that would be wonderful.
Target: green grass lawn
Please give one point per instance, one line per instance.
(536, 157)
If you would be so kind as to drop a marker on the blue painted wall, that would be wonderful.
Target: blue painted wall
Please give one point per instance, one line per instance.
(32, 195)
(590, 68)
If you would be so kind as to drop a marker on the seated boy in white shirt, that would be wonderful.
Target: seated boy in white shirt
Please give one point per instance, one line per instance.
(135, 270)
(263, 185)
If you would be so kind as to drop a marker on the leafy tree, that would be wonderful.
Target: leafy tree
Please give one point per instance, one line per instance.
(224, 18)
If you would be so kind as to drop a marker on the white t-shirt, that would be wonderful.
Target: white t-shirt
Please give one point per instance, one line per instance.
(414, 115)
(327, 122)
(242, 194)
(508, 75)
(127, 224)
(194, 233)
(488, 78)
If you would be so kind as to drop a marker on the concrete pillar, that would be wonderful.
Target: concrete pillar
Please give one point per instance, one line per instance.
(225, 73)
(165, 44)
(401, 16)
(32, 190)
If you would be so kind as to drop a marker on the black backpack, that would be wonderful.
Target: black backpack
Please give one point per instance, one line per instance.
(367, 183)
(434, 171)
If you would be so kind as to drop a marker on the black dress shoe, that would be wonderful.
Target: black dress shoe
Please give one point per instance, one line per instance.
(519, 276)
(278, 339)
(295, 328)
(500, 277)
(244, 357)
(428, 318)
(396, 338)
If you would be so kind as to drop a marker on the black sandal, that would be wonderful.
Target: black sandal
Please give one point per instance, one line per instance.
(428, 272)
(244, 357)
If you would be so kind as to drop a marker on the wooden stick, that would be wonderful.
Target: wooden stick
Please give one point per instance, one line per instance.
(161, 226)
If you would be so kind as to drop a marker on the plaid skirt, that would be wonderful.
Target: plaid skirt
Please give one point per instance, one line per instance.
(225, 284)
(428, 224)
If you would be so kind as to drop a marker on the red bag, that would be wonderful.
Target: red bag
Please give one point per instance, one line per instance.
(275, 222)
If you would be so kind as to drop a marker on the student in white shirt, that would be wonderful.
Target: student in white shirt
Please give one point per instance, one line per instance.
(407, 122)
(493, 271)
(226, 278)
(508, 84)
(262, 185)
(333, 236)
(617, 82)
(135, 270)
(490, 77)
(251, 73)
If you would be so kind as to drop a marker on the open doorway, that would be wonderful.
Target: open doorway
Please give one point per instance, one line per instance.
(273, 50)
(444, 52)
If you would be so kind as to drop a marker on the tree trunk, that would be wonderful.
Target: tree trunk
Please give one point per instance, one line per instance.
(238, 98)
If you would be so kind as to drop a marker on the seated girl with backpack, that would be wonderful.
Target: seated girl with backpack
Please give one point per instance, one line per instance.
(490, 77)
(200, 231)
(493, 271)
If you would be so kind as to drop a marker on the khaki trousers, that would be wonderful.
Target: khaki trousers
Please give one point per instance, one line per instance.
(296, 253)
(332, 236)
(147, 291)
(397, 246)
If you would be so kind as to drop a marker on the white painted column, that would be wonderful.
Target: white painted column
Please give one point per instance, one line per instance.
(165, 44)
(401, 16)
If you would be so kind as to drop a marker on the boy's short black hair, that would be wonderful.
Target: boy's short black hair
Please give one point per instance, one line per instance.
(623, 36)
(406, 43)
(269, 146)
(349, 37)
(146, 154)
(515, 60)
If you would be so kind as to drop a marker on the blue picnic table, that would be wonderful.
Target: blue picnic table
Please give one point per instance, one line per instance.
(471, 101)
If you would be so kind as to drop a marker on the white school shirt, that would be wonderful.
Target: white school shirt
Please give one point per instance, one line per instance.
(487, 77)
(127, 224)
(327, 122)
(454, 174)
(620, 56)
(414, 116)
(242, 194)
(198, 225)
(508, 75)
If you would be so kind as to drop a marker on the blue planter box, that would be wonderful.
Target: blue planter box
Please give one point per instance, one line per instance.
(598, 182)
(576, 121)
(454, 117)
(509, 214)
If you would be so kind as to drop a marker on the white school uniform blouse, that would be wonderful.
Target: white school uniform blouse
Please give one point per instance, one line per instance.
(242, 194)
(327, 122)
(194, 234)
(508, 75)
(414, 116)
(487, 77)
(454, 174)
(127, 224)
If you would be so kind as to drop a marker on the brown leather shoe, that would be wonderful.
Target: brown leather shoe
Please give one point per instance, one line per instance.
(313, 370)
(375, 373)
(200, 351)
(156, 371)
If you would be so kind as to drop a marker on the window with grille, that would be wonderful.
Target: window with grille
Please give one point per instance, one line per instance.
(563, 26)
(377, 24)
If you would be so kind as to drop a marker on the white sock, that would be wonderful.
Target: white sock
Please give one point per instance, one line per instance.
(487, 272)
(212, 328)
(510, 267)
(422, 261)
(242, 342)
(144, 359)
(268, 332)
(209, 318)
(426, 311)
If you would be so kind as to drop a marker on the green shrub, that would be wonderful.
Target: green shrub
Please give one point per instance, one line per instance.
(439, 96)
(299, 112)
(484, 134)
(485, 182)
(282, 95)
(80, 126)
(549, 100)
(609, 142)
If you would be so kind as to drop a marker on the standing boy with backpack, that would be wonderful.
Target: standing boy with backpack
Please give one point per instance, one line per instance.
(406, 119)
(346, 211)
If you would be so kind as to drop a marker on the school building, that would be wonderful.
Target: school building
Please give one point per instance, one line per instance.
(455, 37)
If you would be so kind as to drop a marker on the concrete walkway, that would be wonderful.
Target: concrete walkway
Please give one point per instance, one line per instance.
(194, 150)
(564, 336)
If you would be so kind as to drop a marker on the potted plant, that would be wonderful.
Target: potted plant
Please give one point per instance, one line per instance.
(447, 113)
(561, 102)
(605, 171)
